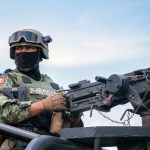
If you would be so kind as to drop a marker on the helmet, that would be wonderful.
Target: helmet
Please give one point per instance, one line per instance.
(29, 37)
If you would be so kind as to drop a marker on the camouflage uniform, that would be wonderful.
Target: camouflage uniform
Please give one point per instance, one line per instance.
(15, 111)
(12, 110)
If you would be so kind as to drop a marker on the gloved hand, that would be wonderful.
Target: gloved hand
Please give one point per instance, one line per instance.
(54, 102)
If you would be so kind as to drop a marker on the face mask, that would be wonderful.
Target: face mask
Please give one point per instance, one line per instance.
(26, 61)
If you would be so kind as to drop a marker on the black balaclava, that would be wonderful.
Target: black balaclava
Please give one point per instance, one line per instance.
(28, 63)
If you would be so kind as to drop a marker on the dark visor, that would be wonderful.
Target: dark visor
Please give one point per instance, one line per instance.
(28, 36)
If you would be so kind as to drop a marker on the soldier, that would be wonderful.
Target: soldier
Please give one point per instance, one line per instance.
(31, 109)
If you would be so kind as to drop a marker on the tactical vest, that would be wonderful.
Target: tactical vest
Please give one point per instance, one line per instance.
(36, 90)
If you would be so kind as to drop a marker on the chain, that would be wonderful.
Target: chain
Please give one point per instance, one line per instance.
(129, 117)
(124, 123)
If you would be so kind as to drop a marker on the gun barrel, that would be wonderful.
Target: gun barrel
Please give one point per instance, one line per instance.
(100, 79)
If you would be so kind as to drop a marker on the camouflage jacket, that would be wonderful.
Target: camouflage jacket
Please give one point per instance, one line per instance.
(14, 111)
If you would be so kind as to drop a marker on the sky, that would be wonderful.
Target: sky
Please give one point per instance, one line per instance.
(90, 38)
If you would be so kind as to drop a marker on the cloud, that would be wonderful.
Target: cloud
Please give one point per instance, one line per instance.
(100, 46)
(78, 48)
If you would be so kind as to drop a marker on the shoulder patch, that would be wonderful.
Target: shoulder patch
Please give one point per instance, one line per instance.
(2, 80)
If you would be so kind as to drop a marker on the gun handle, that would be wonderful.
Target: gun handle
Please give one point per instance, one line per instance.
(57, 123)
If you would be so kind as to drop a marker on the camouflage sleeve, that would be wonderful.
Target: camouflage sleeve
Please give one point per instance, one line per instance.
(12, 110)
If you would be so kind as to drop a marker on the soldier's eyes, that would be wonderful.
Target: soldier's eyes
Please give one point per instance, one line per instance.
(28, 47)
(20, 49)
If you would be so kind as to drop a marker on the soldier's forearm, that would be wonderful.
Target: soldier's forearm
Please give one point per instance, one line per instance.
(15, 112)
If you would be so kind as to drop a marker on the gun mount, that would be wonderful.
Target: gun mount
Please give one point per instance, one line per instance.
(86, 138)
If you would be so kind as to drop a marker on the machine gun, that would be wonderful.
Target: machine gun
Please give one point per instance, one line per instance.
(104, 94)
